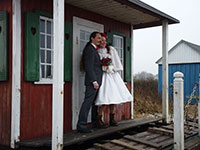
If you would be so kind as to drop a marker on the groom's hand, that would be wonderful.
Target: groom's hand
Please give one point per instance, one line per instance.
(95, 85)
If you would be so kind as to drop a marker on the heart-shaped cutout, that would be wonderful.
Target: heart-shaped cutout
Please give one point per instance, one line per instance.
(33, 30)
(66, 36)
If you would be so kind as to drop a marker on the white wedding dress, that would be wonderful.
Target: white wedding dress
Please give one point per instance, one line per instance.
(113, 89)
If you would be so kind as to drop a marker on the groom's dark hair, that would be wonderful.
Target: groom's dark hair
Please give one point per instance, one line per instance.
(92, 35)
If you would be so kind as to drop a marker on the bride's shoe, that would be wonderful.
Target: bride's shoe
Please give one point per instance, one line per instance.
(100, 122)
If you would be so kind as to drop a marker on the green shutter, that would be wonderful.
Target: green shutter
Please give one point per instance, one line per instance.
(127, 59)
(68, 52)
(32, 47)
(3, 46)
(110, 38)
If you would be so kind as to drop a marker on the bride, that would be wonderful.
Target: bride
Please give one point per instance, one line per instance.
(113, 90)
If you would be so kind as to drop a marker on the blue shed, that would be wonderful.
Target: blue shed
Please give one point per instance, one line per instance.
(183, 57)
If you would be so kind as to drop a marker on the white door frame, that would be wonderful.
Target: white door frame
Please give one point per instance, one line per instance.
(77, 22)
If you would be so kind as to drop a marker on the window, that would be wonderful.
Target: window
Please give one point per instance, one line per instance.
(84, 38)
(122, 43)
(38, 60)
(118, 44)
(46, 49)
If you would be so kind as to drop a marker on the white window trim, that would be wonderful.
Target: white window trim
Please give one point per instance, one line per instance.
(47, 80)
(44, 81)
(121, 37)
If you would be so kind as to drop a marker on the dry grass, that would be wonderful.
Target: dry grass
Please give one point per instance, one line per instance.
(148, 102)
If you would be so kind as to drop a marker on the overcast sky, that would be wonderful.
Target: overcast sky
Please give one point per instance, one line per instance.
(148, 42)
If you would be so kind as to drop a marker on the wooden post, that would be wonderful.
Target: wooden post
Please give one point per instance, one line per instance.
(132, 80)
(199, 116)
(58, 75)
(199, 107)
(178, 111)
(165, 71)
(16, 72)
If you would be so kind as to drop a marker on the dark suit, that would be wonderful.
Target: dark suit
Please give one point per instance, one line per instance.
(93, 72)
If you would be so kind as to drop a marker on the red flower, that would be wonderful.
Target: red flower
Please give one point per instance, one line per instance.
(106, 61)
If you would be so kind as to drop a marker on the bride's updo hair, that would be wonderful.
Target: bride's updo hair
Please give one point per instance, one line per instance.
(107, 45)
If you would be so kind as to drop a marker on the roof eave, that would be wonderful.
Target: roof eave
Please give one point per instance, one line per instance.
(152, 24)
(131, 12)
(148, 9)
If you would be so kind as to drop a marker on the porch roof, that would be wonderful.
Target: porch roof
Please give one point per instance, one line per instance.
(133, 12)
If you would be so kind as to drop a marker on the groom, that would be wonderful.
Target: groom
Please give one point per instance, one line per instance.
(93, 78)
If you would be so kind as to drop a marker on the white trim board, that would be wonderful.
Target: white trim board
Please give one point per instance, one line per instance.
(16, 73)
(58, 75)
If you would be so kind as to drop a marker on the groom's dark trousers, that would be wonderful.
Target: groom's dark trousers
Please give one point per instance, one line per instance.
(93, 72)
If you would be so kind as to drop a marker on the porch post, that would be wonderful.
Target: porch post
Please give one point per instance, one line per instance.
(178, 111)
(16, 72)
(165, 71)
(132, 75)
(58, 75)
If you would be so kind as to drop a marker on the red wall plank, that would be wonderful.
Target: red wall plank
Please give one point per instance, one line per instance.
(68, 107)
(36, 100)
(5, 87)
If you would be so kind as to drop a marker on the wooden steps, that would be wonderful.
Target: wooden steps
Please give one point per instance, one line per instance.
(155, 138)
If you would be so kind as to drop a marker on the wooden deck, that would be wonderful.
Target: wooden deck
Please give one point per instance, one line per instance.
(155, 138)
(75, 137)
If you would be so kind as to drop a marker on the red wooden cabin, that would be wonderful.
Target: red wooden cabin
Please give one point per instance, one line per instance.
(26, 58)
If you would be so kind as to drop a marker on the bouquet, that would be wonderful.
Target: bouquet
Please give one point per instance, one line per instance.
(107, 65)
